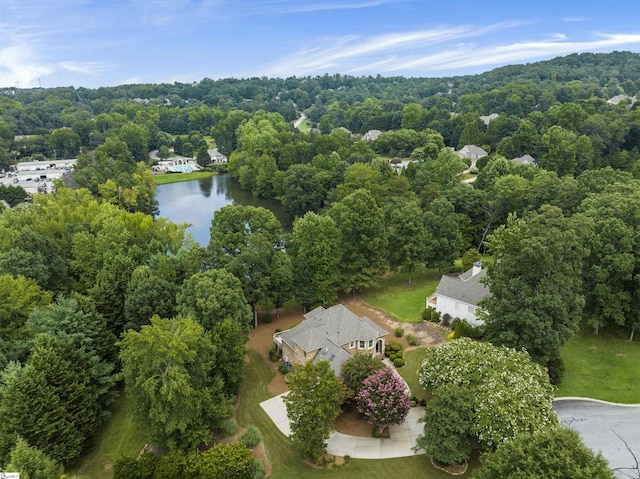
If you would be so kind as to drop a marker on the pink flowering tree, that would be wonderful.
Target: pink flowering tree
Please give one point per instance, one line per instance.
(383, 399)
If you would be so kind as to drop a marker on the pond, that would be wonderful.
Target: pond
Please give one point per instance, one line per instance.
(196, 201)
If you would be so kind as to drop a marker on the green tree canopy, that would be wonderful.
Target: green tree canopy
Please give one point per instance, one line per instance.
(511, 394)
(313, 404)
(554, 452)
(51, 402)
(211, 296)
(314, 247)
(536, 284)
(169, 373)
(363, 240)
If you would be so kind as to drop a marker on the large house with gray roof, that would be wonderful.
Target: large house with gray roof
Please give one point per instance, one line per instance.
(458, 296)
(333, 334)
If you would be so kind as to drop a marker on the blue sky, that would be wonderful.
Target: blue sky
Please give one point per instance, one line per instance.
(111, 42)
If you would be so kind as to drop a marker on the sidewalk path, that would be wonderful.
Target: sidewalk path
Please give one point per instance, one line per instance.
(400, 444)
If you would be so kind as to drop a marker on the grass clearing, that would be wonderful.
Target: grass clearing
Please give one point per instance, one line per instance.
(286, 464)
(602, 367)
(118, 437)
(305, 126)
(177, 177)
(403, 300)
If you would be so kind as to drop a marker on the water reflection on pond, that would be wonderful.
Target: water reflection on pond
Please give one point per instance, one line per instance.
(195, 201)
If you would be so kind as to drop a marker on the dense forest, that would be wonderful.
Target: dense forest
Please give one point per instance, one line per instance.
(80, 269)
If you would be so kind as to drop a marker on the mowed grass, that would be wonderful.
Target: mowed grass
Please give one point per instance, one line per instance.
(403, 300)
(177, 177)
(285, 461)
(411, 371)
(602, 367)
(119, 437)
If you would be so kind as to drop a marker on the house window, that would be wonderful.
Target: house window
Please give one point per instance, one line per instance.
(361, 344)
(370, 344)
(352, 344)
(472, 309)
(457, 306)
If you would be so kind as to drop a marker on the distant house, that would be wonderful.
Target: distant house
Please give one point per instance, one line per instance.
(333, 334)
(486, 119)
(217, 158)
(371, 135)
(471, 152)
(458, 296)
(526, 160)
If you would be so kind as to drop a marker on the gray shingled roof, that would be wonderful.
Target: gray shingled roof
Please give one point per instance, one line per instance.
(330, 329)
(525, 160)
(465, 288)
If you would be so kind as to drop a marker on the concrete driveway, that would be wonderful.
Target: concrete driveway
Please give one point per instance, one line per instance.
(400, 444)
(605, 427)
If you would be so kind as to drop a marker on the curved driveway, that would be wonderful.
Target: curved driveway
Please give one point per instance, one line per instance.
(605, 427)
(613, 429)
(400, 444)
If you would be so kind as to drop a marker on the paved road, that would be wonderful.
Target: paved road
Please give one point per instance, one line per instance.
(603, 427)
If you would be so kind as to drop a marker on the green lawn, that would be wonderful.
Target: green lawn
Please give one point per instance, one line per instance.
(411, 371)
(401, 299)
(176, 177)
(286, 462)
(119, 437)
(602, 367)
(304, 126)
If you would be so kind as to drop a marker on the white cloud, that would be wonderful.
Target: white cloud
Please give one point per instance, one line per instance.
(418, 53)
(467, 56)
(19, 68)
(347, 52)
(86, 68)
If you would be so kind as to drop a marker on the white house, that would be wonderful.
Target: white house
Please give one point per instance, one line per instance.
(471, 152)
(217, 157)
(458, 296)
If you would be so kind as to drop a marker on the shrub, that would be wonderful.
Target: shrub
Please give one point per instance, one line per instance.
(358, 368)
(274, 354)
(228, 427)
(446, 319)
(431, 314)
(283, 369)
(258, 471)
(555, 368)
(394, 346)
(392, 356)
(398, 354)
(473, 332)
(251, 437)
(399, 332)
(412, 340)
(398, 362)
